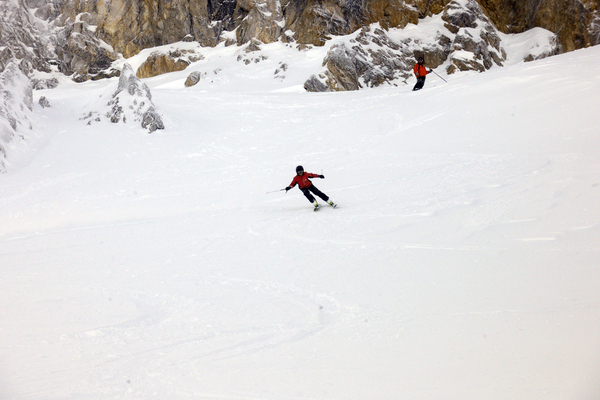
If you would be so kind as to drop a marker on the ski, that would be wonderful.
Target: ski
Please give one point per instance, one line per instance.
(318, 207)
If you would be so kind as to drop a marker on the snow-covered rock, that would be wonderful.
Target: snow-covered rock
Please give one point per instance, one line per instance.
(16, 107)
(82, 55)
(368, 60)
(43, 101)
(23, 37)
(461, 38)
(475, 44)
(130, 102)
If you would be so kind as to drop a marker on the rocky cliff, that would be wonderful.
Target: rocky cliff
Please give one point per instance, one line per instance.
(82, 38)
(131, 25)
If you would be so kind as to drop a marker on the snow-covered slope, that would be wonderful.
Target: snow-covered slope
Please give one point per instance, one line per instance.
(16, 106)
(462, 262)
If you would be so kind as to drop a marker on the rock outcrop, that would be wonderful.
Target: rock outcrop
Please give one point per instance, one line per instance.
(82, 55)
(131, 101)
(476, 44)
(373, 59)
(468, 41)
(193, 79)
(30, 34)
(43, 102)
(163, 62)
(22, 39)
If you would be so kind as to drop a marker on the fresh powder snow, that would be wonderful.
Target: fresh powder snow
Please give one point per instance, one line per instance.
(461, 264)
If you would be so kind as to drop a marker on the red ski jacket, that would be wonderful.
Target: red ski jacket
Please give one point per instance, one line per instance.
(303, 181)
(420, 70)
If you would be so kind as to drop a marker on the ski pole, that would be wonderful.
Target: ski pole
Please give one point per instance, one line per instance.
(439, 76)
(274, 191)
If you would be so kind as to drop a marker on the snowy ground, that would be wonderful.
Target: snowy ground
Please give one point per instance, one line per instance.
(462, 262)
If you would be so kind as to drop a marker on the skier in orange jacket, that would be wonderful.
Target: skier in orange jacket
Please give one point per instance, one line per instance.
(420, 72)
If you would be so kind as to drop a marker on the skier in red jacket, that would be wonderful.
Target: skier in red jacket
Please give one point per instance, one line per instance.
(420, 72)
(306, 186)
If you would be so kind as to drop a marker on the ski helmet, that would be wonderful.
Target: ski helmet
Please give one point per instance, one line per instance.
(299, 169)
(420, 59)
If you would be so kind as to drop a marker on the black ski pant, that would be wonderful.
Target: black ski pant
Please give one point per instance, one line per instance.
(310, 197)
(420, 83)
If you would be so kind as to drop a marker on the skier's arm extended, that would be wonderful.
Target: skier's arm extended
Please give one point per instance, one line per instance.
(291, 185)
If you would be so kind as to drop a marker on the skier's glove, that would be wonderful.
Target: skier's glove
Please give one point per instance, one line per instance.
(322, 176)
(287, 188)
